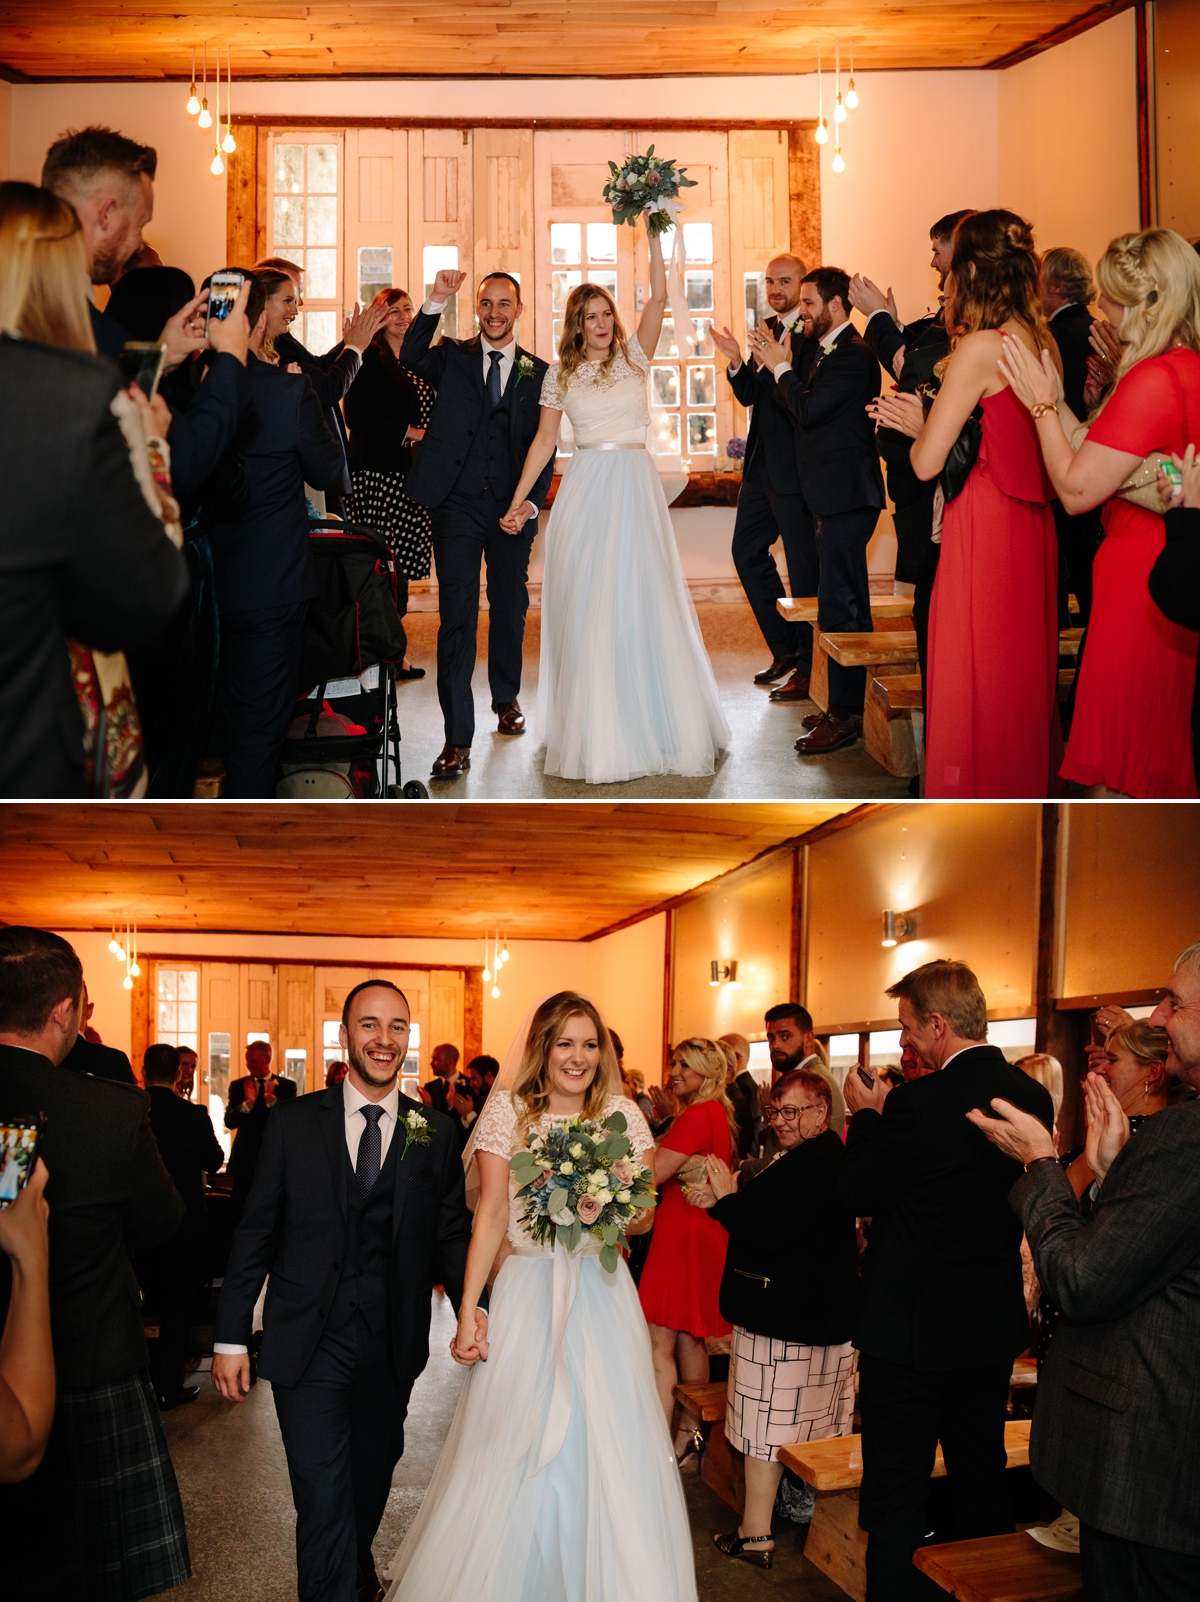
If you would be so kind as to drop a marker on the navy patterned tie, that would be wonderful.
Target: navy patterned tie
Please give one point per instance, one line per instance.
(493, 379)
(370, 1149)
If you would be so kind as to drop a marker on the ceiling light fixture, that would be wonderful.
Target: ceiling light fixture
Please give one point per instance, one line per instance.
(839, 110)
(822, 132)
(851, 91)
(228, 144)
(193, 105)
(205, 118)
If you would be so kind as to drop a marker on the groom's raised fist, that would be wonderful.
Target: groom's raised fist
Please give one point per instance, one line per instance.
(447, 284)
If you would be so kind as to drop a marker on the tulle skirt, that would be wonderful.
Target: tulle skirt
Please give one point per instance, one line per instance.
(625, 687)
(604, 1520)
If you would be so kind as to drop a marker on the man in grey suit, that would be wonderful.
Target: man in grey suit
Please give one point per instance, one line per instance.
(1116, 1432)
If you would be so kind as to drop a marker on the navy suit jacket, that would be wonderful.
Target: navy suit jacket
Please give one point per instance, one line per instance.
(836, 457)
(331, 376)
(294, 1229)
(262, 560)
(108, 334)
(772, 427)
(455, 369)
(1070, 329)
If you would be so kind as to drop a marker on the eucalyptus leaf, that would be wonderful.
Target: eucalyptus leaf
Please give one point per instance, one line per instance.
(557, 1200)
(609, 1258)
(616, 1122)
(610, 1234)
(572, 1236)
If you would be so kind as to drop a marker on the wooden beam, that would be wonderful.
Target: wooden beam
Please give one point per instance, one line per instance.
(1056, 36)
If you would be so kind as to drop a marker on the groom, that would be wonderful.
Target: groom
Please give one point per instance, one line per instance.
(469, 464)
(355, 1214)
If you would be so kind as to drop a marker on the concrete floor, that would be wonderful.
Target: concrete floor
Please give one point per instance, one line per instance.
(241, 1525)
(761, 763)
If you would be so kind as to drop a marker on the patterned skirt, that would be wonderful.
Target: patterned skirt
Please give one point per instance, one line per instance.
(101, 1517)
(379, 501)
(781, 1392)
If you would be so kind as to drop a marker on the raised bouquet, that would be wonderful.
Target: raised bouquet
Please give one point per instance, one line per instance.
(641, 185)
(580, 1175)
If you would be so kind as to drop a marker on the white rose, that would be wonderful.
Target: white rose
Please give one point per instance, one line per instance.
(566, 1168)
(604, 1197)
(563, 1219)
(624, 1195)
(576, 1150)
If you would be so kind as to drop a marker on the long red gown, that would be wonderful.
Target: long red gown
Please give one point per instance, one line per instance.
(681, 1282)
(991, 703)
(1132, 728)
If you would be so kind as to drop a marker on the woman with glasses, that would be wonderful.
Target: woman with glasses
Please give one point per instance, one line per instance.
(790, 1290)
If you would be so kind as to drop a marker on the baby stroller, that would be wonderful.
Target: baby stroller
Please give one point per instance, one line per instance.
(344, 741)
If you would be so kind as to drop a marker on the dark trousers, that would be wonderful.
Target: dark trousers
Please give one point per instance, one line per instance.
(464, 532)
(1078, 541)
(1117, 1570)
(926, 572)
(763, 516)
(170, 1277)
(905, 1413)
(257, 684)
(844, 594)
(343, 1432)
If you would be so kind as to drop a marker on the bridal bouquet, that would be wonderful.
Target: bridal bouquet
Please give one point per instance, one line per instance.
(642, 184)
(579, 1175)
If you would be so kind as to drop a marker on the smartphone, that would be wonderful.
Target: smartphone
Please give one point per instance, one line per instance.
(142, 363)
(222, 293)
(865, 1074)
(20, 1138)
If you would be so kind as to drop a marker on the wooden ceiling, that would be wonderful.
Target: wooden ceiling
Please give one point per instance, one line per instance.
(561, 872)
(153, 39)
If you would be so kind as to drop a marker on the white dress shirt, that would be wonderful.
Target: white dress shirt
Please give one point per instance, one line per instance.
(353, 1102)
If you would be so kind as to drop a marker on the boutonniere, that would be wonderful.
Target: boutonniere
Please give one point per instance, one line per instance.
(416, 1132)
(524, 367)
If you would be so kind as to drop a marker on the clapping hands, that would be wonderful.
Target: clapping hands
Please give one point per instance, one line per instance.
(766, 349)
(900, 410)
(867, 298)
(363, 323)
(1107, 1126)
(727, 344)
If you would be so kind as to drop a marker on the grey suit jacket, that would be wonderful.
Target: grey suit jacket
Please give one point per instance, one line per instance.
(1116, 1431)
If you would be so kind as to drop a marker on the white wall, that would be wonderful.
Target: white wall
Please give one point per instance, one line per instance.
(6, 123)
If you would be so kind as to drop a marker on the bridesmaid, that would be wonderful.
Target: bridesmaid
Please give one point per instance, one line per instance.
(1132, 730)
(992, 696)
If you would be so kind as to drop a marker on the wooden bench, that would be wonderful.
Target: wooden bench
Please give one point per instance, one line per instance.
(1002, 1568)
(720, 1469)
(893, 695)
(887, 612)
(833, 1468)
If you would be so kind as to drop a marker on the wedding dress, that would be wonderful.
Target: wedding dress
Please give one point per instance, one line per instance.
(557, 1482)
(625, 687)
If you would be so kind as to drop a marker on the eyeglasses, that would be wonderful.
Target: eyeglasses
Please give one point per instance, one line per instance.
(789, 1115)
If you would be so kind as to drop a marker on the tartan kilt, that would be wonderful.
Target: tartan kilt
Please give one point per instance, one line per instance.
(100, 1520)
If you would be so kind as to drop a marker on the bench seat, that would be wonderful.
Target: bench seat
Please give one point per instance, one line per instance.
(1002, 1568)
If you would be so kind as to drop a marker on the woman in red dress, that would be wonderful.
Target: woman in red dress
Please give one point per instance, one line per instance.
(991, 701)
(681, 1282)
(1132, 733)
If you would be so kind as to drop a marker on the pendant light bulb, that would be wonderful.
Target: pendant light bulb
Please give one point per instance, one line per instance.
(851, 91)
(205, 118)
(135, 970)
(839, 114)
(838, 164)
(218, 166)
(495, 992)
(193, 105)
(487, 976)
(113, 946)
(120, 952)
(127, 982)
(228, 144)
(822, 133)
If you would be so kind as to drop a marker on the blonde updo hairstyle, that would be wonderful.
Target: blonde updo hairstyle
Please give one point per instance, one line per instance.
(531, 1089)
(43, 269)
(1004, 284)
(707, 1058)
(1047, 1070)
(1146, 1043)
(572, 345)
(1155, 275)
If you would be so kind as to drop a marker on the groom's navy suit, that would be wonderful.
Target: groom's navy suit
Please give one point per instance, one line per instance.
(466, 470)
(346, 1322)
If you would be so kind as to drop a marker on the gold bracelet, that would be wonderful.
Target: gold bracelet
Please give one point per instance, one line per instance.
(1042, 407)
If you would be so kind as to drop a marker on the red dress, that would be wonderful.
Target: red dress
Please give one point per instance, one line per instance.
(1132, 729)
(992, 700)
(681, 1281)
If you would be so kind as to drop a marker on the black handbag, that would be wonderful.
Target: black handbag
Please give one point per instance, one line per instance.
(355, 622)
(962, 456)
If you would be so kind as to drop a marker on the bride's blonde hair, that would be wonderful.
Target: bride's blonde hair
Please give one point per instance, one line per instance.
(531, 1088)
(572, 344)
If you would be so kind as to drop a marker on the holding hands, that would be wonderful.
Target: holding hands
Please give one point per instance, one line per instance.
(518, 514)
(470, 1345)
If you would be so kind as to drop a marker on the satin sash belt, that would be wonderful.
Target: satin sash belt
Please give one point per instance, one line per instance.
(614, 445)
(565, 1289)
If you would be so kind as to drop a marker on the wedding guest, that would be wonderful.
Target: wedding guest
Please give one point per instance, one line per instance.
(992, 691)
(335, 1072)
(1133, 1063)
(680, 1283)
(1175, 576)
(1047, 1070)
(1131, 733)
(185, 1085)
(770, 506)
(82, 555)
(262, 567)
(637, 1080)
(792, 1044)
(840, 482)
(791, 1371)
(250, 1102)
(934, 1360)
(94, 1057)
(442, 1092)
(26, 1352)
(1115, 1429)
(484, 1070)
(101, 1516)
(911, 353)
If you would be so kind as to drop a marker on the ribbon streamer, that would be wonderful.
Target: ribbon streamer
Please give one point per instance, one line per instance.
(565, 1289)
(685, 328)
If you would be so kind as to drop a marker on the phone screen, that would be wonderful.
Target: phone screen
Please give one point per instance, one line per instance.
(18, 1153)
(222, 293)
(142, 364)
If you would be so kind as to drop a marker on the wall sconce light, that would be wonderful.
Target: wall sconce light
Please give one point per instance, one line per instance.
(722, 973)
(898, 926)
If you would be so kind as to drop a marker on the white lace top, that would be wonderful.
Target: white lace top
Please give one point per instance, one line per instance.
(608, 408)
(496, 1131)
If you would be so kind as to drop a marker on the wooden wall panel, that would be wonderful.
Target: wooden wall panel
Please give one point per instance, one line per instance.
(804, 198)
(241, 198)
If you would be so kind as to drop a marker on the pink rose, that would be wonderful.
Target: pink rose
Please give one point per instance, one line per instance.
(589, 1209)
(622, 183)
(623, 1173)
(652, 176)
(542, 1179)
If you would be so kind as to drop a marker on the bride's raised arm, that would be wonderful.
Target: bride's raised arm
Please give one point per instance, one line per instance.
(652, 318)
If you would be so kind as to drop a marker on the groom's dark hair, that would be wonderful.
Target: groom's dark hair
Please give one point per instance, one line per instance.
(371, 984)
(500, 273)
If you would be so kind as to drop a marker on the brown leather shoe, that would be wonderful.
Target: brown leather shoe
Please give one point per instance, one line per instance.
(512, 719)
(796, 689)
(454, 761)
(831, 734)
(369, 1586)
(813, 718)
(779, 668)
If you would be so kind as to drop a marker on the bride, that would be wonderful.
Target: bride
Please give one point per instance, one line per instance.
(625, 687)
(558, 1481)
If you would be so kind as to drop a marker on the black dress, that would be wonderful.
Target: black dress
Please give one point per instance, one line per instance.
(380, 406)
